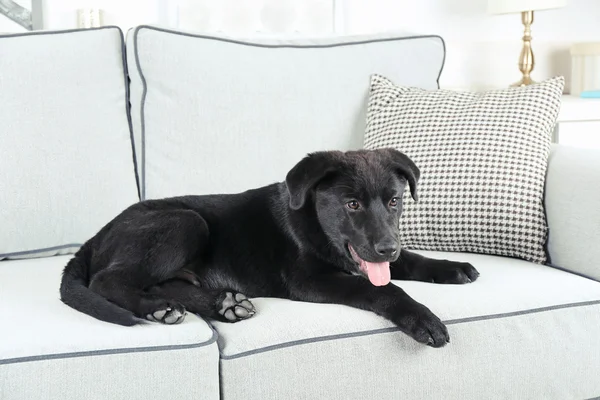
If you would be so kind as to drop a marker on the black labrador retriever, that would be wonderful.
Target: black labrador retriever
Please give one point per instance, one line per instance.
(328, 234)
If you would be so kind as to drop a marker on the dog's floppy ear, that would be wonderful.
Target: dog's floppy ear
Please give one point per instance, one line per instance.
(407, 168)
(305, 175)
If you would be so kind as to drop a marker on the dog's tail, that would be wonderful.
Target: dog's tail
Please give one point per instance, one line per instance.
(75, 293)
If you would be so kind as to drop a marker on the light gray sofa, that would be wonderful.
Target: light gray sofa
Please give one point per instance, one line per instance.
(88, 124)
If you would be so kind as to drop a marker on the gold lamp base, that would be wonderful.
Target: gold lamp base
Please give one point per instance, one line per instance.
(524, 81)
(526, 59)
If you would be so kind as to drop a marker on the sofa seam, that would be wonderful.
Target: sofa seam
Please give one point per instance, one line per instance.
(127, 350)
(443, 60)
(373, 332)
(128, 109)
(245, 43)
(41, 250)
(142, 111)
(56, 32)
(555, 266)
(277, 46)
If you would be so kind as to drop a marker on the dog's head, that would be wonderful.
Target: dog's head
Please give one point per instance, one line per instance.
(357, 197)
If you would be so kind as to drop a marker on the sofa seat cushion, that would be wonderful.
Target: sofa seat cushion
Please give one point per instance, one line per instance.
(45, 341)
(521, 331)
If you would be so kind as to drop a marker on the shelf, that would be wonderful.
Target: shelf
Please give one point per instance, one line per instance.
(576, 109)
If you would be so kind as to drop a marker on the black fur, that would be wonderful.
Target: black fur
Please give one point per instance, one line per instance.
(288, 240)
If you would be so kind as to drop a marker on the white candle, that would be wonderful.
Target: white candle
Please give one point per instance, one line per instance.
(90, 17)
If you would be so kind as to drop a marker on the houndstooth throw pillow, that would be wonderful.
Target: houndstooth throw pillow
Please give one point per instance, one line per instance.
(482, 158)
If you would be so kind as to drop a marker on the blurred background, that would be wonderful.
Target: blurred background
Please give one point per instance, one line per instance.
(483, 48)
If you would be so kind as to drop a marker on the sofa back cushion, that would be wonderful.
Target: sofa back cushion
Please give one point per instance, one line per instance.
(573, 210)
(65, 144)
(216, 115)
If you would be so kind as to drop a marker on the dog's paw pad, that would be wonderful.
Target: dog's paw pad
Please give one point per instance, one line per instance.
(239, 297)
(230, 315)
(169, 315)
(241, 311)
(174, 317)
(247, 305)
(235, 307)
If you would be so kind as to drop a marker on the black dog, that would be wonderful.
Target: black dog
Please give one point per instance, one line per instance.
(328, 234)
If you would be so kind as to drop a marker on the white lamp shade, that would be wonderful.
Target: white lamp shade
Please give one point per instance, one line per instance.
(517, 6)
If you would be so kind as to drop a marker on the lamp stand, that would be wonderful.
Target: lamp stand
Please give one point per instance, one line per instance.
(526, 59)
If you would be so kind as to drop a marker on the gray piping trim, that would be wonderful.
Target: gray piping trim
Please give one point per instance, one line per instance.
(142, 113)
(33, 33)
(395, 329)
(220, 39)
(27, 252)
(92, 353)
(127, 112)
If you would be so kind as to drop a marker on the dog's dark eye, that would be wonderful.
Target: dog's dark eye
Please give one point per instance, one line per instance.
(353, 205)
(394, 202)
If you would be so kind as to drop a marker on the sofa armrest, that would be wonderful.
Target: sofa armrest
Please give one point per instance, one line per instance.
(572, 203)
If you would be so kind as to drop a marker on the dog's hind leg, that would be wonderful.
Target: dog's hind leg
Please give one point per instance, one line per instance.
(147, 249)
(121, 288)
(224, 305)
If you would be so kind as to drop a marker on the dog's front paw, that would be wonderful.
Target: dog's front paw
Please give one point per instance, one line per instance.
(451, 272)
(423, 326)
(233, 306)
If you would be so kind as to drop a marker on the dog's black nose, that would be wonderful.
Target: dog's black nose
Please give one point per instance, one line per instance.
(386, 248)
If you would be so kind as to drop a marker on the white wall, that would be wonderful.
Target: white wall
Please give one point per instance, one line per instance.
(6, 25)
(231, 16)
(482, 50)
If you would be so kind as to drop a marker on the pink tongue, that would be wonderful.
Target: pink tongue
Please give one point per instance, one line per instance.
(379, 273)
